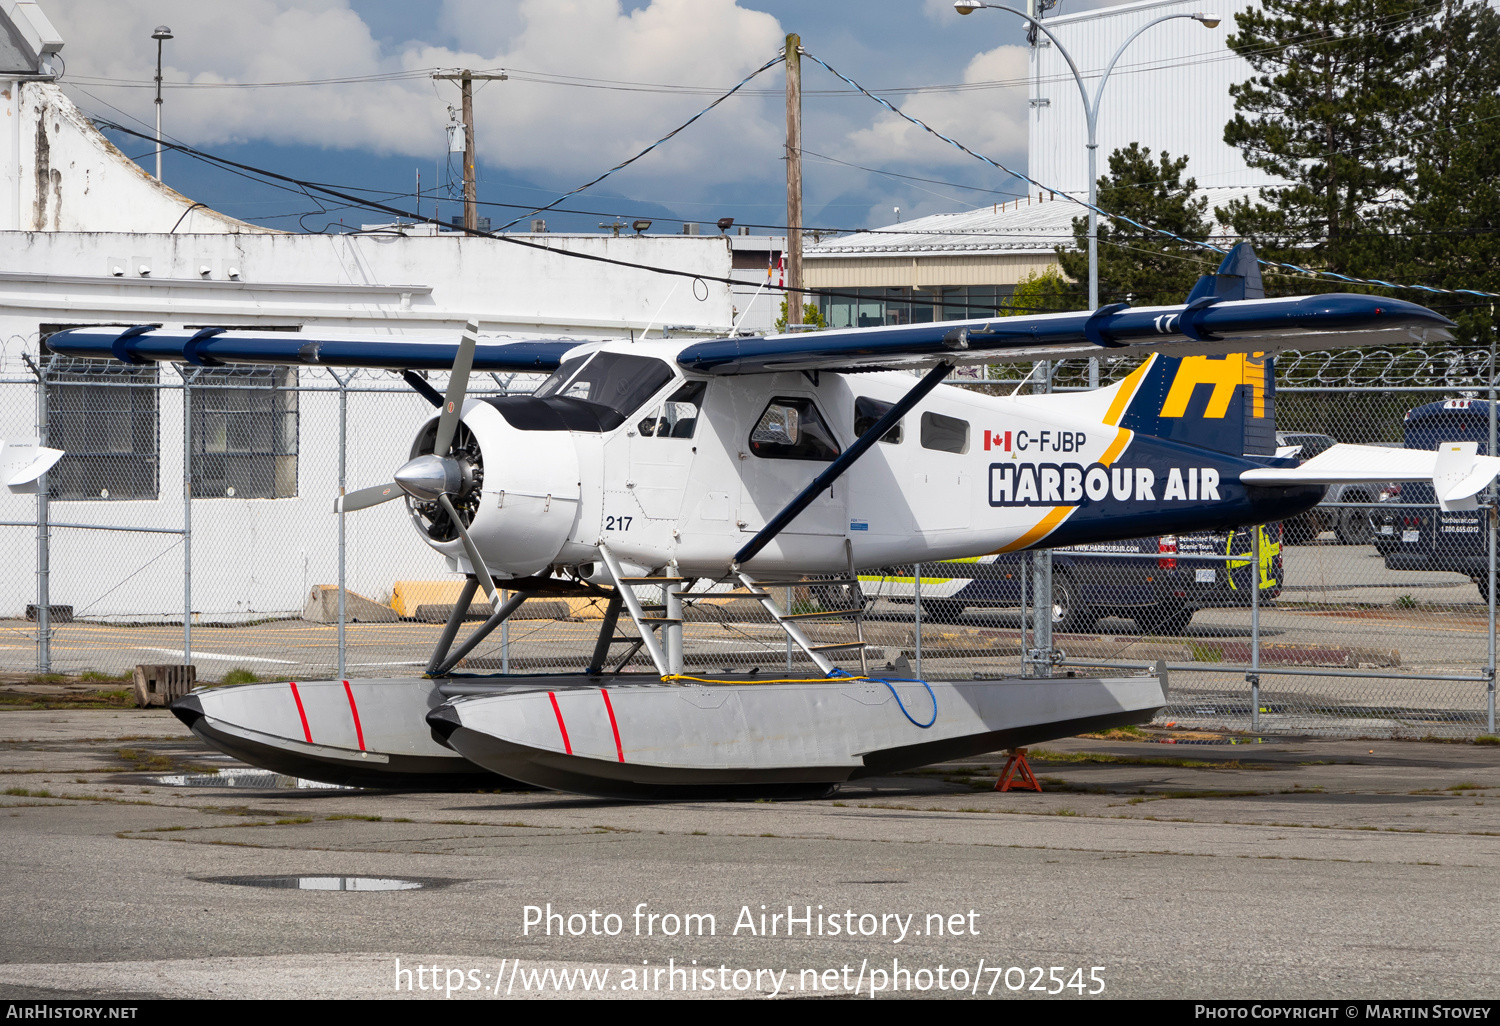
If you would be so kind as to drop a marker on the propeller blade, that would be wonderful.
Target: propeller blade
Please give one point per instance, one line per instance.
(366, 497)
(458, 384)
(481, 571)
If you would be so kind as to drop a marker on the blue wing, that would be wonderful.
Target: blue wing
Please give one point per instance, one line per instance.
(212, 348)
(1203, 327)
(1225, 313)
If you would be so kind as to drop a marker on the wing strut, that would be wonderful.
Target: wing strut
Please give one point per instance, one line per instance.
(836, 469)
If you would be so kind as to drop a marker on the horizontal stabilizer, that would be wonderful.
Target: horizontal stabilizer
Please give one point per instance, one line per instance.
(1456, 471)
(23, 462)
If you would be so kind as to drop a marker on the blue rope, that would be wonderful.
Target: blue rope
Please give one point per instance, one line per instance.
(837, 674)
(1121, 217)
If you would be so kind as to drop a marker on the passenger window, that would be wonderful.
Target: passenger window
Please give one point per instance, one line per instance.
(868, 411)
(945, 434)
(678, 416)
(793, 429)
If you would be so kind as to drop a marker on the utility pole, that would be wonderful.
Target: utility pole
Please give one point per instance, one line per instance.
(793, 179)
(466, 80)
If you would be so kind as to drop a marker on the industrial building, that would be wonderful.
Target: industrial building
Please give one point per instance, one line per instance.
(88, 237)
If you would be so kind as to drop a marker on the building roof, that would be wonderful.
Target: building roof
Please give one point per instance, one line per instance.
(1020, 226)
(16, 56)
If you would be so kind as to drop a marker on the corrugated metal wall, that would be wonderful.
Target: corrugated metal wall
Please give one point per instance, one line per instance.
(1169, 91)
(999, 269)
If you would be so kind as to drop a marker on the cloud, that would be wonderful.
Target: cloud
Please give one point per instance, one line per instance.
(558, 132)
(991, 121)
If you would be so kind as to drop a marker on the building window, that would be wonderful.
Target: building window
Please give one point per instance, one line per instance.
(244, 424)
(103, 414)
(868, 307)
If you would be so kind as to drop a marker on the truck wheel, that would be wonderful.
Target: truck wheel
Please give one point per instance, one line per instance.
(941, 610)
(1353, 526)
(1069, 614)
(1163, 619)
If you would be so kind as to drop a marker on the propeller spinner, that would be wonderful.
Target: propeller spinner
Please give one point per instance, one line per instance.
(440, 476)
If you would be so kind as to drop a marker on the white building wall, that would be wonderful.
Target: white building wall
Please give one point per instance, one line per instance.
(1169, 92)
(62, 175)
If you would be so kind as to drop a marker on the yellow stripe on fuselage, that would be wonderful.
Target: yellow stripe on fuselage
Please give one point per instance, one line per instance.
(1055, 516)
(1058, 514)
(1128, 389)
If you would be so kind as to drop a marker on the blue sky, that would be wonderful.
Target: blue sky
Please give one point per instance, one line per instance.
(543, 132)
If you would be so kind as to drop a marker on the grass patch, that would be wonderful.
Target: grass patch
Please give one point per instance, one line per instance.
(1048, 755)
(348, 815)
(240, 675)
(1467, 785)
(21, 792)
(1126, 733)
(1203, 653)
(1487, 739)
(122, 699)
(1405, 602)
(146, 762)
(290, 820)
(96, 675)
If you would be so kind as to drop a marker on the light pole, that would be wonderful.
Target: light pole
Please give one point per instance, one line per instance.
(1091, 112)
(161, 35)
(1042, 659)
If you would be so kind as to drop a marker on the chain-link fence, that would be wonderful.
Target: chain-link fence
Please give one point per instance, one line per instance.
(1369, 615)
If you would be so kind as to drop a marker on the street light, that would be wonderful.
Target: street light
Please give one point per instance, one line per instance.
(1091, 112)
(161, 35)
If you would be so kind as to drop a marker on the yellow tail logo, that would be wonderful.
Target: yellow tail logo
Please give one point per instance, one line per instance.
(1225, 374)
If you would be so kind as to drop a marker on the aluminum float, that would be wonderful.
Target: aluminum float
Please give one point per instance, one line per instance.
(355, 733)
(689, 739)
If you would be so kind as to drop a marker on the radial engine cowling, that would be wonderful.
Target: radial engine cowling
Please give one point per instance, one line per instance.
(517, 492)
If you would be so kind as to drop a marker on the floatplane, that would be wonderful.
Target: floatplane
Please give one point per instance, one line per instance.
(640, 470)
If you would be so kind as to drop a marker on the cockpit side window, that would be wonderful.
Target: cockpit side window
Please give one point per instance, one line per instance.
(793, 429)
(678, 416)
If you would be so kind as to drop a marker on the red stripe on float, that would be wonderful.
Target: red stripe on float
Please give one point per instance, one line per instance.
(612, 724)
(301, 711)
(567, 745)
(358, 732)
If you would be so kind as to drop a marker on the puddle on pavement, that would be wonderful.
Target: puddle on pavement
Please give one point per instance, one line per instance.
(329, 883)
(243, 778)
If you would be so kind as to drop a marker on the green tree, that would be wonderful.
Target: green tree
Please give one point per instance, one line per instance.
(1326, 112)
(1138, 266)
(1444, 230)
(811, 316)
(1039, 292)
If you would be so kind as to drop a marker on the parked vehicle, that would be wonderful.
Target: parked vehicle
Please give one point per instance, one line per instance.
(1413, 533)
(1349, 526)
(1090, 582)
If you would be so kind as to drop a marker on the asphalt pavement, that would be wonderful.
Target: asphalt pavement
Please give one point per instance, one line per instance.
(1298, 868)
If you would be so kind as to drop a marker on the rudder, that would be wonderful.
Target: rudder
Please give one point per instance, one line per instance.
(1225, 403)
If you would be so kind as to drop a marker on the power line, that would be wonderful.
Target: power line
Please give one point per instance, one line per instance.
(1274, 264)
(247, 170)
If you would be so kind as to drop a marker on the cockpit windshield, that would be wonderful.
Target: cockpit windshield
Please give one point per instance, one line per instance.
(618, 381)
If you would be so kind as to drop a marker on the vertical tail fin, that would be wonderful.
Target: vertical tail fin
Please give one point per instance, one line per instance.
(1225, 403)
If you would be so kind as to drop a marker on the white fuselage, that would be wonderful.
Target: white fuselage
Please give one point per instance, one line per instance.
(550, 497)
